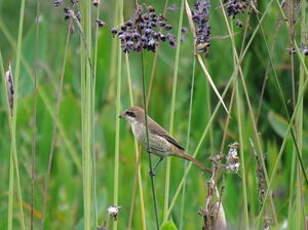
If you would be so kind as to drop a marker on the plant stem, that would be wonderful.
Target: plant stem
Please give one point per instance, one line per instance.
(118, 110)
(181, 226)
(148, 144)
(172, 112)
(137, 154)
(86, 112)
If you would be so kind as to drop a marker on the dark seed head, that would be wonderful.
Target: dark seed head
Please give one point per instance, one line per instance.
(74, 1)
(114, 31)
(140, 32)
(57, 3)
(151, 9)
(100, 23)
(168, 27)
(96, 3)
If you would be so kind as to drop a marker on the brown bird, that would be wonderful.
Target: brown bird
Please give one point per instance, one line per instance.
(161, 143)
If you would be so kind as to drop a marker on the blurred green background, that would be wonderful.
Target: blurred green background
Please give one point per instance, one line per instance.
(58, 131)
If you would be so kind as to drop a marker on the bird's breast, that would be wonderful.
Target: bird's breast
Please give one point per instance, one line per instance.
(158, 145)
(138, 131)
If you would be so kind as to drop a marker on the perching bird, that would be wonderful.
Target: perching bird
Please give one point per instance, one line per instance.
(160, 142)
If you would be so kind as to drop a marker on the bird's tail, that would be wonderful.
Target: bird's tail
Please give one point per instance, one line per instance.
(193, 160)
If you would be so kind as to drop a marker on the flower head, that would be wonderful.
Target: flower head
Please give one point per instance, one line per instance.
(235, 7)
(200, 15)
(143, 31)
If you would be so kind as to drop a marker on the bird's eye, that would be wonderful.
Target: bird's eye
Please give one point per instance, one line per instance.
(131, 114)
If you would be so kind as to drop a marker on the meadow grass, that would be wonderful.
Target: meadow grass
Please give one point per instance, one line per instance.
(66, 157)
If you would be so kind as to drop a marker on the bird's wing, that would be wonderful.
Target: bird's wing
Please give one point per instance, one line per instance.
(158, 130)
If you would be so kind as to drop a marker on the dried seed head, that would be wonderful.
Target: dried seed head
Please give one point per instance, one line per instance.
(235, 7)
(74, 1)
(200, 15)
(151, 9)
(232, 159)
(172, 7)
(10, 88)
(57, 3)
(96, 3)
(239, 23)
(291, 50)
(142, 31)
(113, 211)
(304, 49)
(114, 31)
(100, 22)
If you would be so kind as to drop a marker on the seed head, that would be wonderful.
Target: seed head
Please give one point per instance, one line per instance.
(142, 31)
(304, 49)
(235, 7)
(96, 3)
(10, 88)
(200, 15)
(100, 22)
(113, 211)
(232, 159)
(57, 3)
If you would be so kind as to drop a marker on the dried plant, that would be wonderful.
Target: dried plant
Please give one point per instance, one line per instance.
(213, 213)
(232, 159)
(10, 88)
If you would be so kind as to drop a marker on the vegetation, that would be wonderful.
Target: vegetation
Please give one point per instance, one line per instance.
(213, 73)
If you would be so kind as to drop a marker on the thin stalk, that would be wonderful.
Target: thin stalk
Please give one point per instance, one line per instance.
(181, 225)
(54, 130)
(303, 66)
(195, 153)
(86, 113)
(34, 125)
(300, 212)
(284, 103)
(208, 112)
(148, 144)
(210, 80)
(137, 153)
(172, 112)
(118, 110)
(153, 71)
(242, 155)
(287, 132)
(68, 144)
(13, 141)
(226, 125)
(11, 165)
(96, 37)
(256, 133)
(200, 60)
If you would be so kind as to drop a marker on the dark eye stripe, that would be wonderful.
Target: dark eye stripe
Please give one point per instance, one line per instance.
(131, 114)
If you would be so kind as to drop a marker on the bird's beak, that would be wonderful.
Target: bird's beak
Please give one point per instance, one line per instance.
(121, 116)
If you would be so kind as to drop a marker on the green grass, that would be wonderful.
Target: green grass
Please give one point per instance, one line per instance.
(66, 157)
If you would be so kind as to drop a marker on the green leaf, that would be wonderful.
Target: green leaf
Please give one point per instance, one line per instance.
(169, 226)
(280, 125)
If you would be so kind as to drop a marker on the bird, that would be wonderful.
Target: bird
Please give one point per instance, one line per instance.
(161, 143)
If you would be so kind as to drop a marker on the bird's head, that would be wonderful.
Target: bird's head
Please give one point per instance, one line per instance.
(133, 115)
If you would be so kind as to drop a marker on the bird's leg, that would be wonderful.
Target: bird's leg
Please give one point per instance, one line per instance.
(152, 173)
